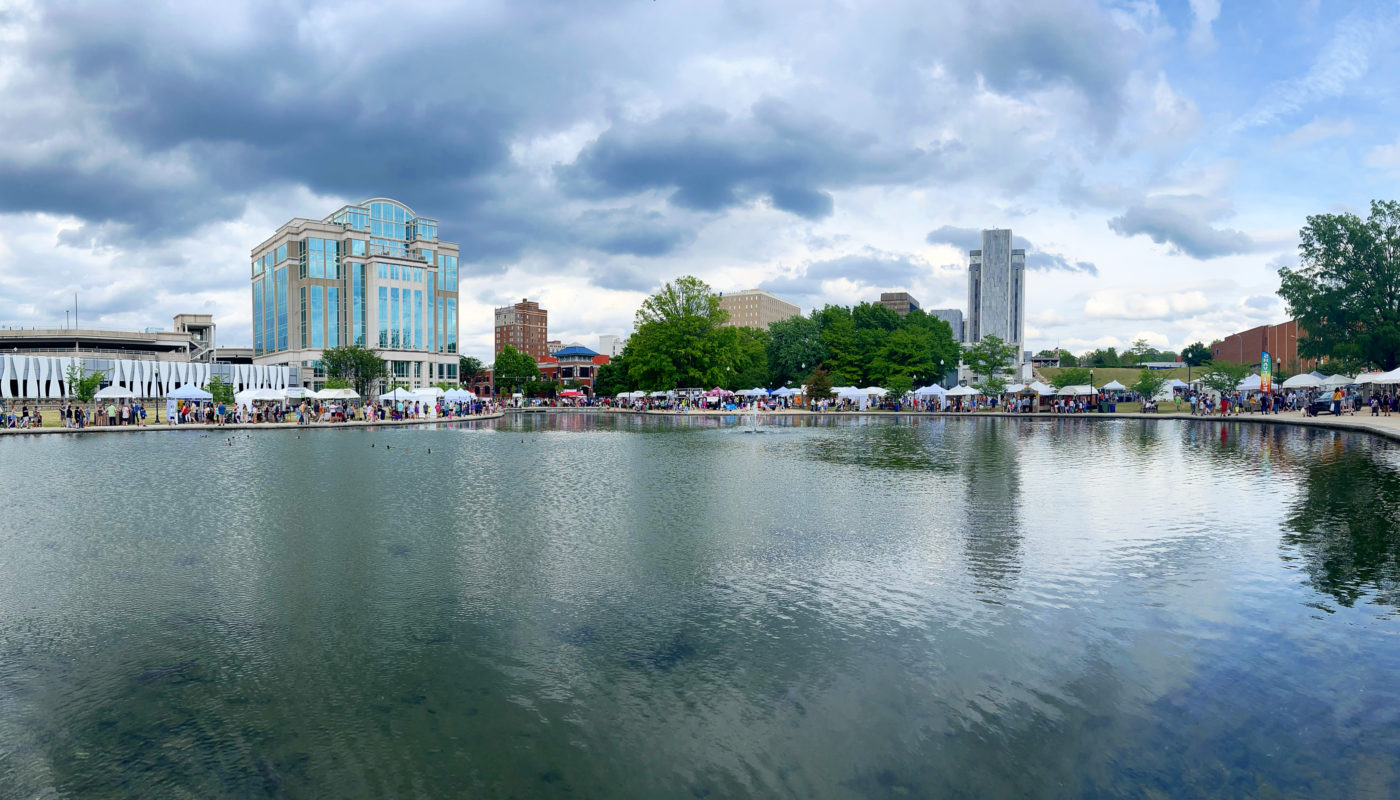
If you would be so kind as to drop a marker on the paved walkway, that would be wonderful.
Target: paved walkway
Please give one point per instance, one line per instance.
(261, 426)
(1362, 421)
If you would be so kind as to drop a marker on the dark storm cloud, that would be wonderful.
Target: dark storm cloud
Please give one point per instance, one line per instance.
(971, 239)
(710, 161)
(1186, 233)
(631, 231)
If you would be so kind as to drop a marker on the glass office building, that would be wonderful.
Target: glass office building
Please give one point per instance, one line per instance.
(374, 275)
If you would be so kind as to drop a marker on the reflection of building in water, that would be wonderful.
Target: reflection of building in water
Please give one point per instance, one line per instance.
(992, 535)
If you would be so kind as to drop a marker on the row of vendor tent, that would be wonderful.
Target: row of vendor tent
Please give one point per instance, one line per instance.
(427, 395)
(1314, 380)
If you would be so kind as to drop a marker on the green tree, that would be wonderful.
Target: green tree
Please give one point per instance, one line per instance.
(1345, 293)
(1149, 383)
(685, 298)
(1222, 376)
(896, 386)
(744, 351)
(988, 360)
(678, 339)
(468, 368)
(221, 390)
(514, 370)
(819, 384)
(1068, 359)
(794, 347)
(1195, 354)
(1139, 352)
(611, 379)
(360, 367)
(83, 387)
(1073, 376)
(338, 383)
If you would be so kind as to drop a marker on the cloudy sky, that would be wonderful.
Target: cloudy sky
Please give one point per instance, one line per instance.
(1156, 158)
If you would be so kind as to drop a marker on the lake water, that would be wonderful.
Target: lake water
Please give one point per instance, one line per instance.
(587, 606)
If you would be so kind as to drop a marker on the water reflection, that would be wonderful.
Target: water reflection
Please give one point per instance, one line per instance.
(992, 539)
(1344, 530)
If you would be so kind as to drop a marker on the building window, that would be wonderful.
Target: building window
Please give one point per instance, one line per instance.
(357, 247)
(282, 303)
(394, 317)
(332, 317)
(257, 318)
(450, 325)
(383, 315)
(357, 304)
(303, 317)
(281, 253)
(417, 319)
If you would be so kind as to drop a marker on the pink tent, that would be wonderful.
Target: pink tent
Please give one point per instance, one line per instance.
(718, 392)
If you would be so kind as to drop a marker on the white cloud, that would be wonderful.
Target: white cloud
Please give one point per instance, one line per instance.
(1204, 13)
(1386, 156)
(1319, 129)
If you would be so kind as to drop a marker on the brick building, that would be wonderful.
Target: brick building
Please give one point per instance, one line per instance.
(524, 326)
(1280, 341)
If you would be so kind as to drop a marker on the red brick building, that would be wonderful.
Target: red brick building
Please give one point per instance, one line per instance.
(524, 326)
(575, 367)
(1280, 341)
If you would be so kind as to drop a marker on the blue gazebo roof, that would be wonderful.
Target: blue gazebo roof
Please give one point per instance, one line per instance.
(576, 350)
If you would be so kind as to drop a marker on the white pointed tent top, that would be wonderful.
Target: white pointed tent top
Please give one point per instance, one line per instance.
(113, 392)
(1338, 380)
(963, 391)
(1014, 388)
(399, 394)
(335, 394)
(1114, 386)
(932, 388)
(1388, 377)
(1304, 381)
(1041, 388)
(189, 392)
(1076, 391)
(1251, 383)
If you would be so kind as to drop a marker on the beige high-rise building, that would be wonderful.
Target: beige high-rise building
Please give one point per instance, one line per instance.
(755, 308)
(524, 326)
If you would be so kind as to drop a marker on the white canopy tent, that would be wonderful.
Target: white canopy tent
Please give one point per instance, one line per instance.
(1390, 377)
(113, 392)
(299, 392)
(933, 390)
(1114, 386)
(1176, 383)
(1041, 389)
(1251, 383)
(1304, 381)
(336, 394)
(1014, 388)
(397, 395)
(1338, 380)
(458, 395)
(1076, 391)
(433, 391)
(872, 391)
(189, 392)
(755, 392)
(963, 391)
(786, 392)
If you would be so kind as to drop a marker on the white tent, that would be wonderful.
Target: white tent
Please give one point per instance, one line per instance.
(873, 391)
(1304, 381)
(1338, 380)
(1114, 386)
(299, 392)
(1076, 391)
(1388, 377)
(931, 389)
(433, 391)
(963, 391)
(755, 392)
(458, 395)
(1014, 388)
(398, 394)
(189, 392)
(1041, 389)
(335, 394)
(1176, 383)
(113, 392)
(1251, 383)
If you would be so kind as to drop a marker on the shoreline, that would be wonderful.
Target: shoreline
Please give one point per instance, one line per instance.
(245, 426)
(1385, 427)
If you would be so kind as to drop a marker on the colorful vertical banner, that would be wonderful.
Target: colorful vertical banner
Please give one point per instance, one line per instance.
(1266, 369)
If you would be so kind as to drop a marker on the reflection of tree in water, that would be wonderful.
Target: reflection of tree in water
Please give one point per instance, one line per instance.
(992, 537)
(884, 445)
(1345, 526)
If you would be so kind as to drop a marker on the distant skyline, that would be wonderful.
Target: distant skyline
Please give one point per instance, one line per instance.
(1155, 159)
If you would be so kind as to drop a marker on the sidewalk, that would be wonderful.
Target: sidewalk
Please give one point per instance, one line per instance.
(274, 426)
(1388, 427)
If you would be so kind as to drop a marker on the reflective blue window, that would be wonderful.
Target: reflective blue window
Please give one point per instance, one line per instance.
(428, 256)
(315, 258)
(332, 259)
(269, 314)
(383, 270)
(357, 247)
(394, 317)
(451, 325)
(383, 315)
(318, 316)
(441, 320)
(432, 308)
(357, 302)
(417, 319)
(303, 317)
(257, 267)
(332, 316)
(281, 253)
(257, 318)
(282, 308)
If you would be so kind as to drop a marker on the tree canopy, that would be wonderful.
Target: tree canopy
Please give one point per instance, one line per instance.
(1345, 293)
(1073, 376)
(468, 367)
(81, 386)
(513, 370)
(989, 359)
(1195, 354)
(1149, 383)
(357, 366)
(221, 390)
(1222, 376)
